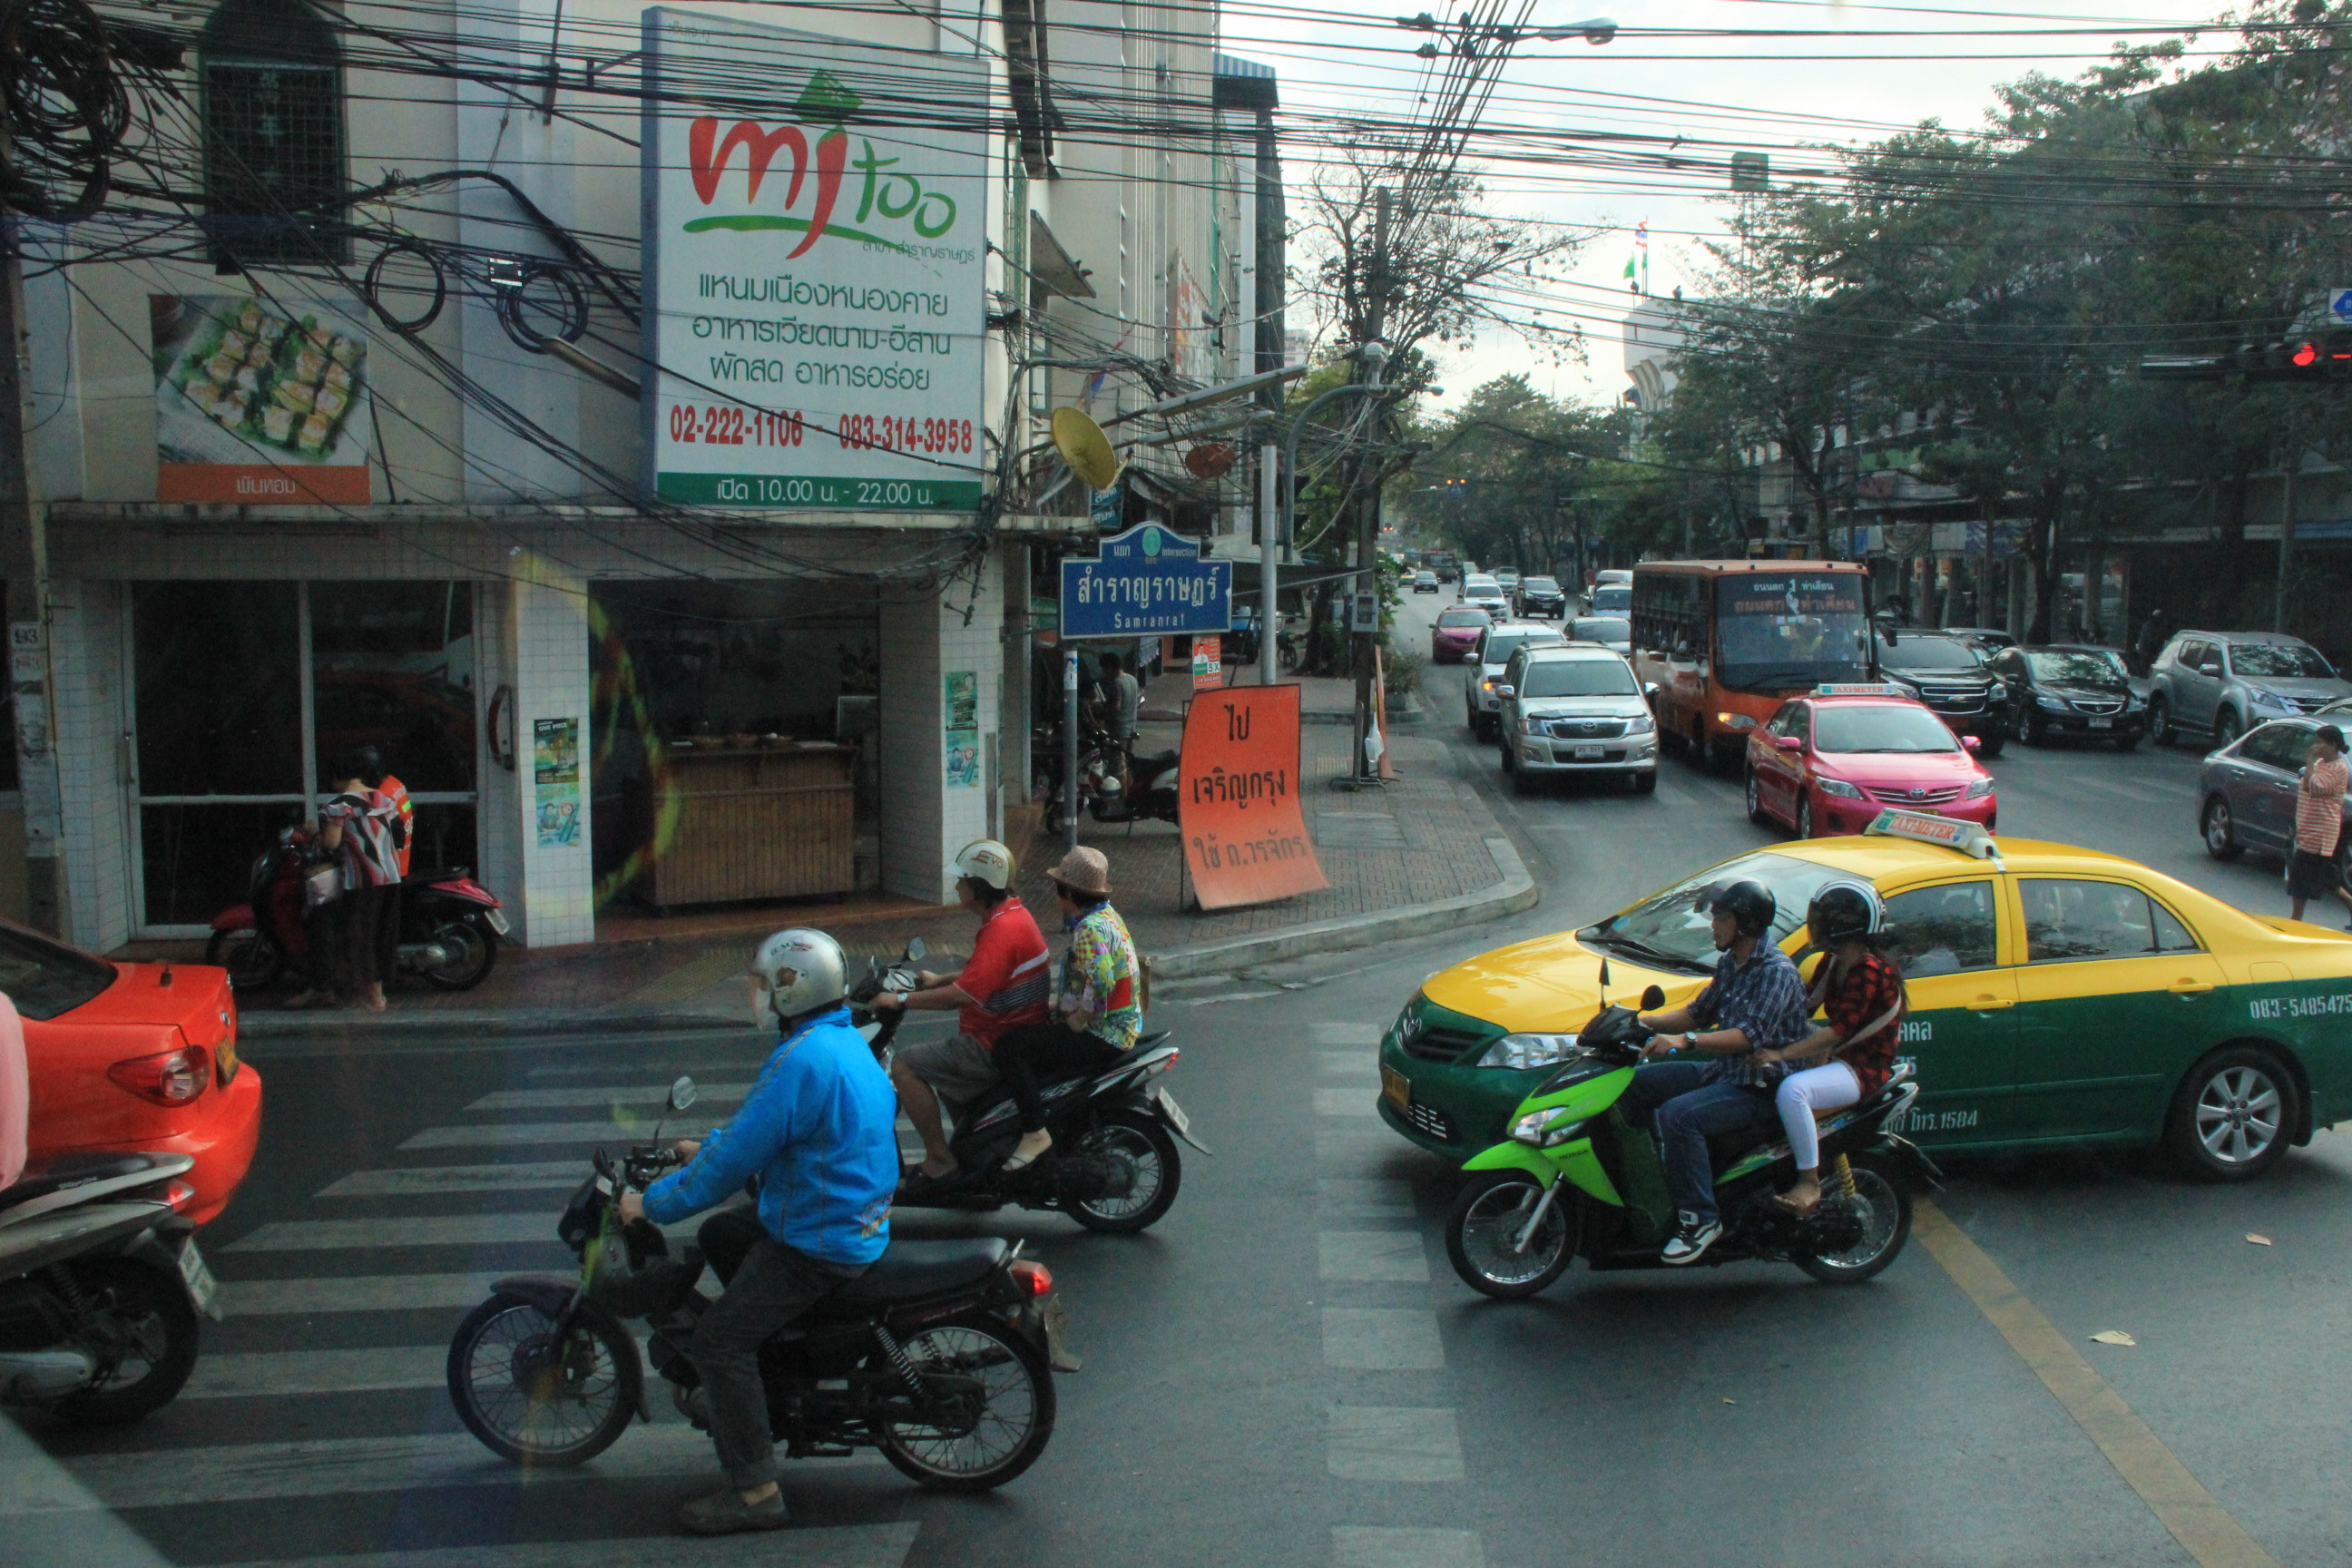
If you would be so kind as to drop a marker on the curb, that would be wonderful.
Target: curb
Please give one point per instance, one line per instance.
(479, 1023)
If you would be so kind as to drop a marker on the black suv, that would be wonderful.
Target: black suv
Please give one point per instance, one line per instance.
(1541, 596)
(1950, 677)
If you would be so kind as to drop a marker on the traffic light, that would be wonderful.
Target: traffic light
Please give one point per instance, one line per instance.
(2323, 357)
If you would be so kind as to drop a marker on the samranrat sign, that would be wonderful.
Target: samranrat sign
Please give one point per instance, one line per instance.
(818, 278)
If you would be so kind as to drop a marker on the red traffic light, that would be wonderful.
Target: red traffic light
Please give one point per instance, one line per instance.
(2305, 355)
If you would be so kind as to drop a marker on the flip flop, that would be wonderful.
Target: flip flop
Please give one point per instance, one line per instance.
(1022, 1161)
(1780, 1201)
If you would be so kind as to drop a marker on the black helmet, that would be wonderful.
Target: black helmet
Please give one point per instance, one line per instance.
(1748, 903)
(1843, 912)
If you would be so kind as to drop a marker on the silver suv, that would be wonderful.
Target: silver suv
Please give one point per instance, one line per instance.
(2224, 683)
(1575, 709)
(1495, 647)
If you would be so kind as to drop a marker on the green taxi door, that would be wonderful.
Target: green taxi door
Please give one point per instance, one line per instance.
(1960, 1028)
(2116, 997)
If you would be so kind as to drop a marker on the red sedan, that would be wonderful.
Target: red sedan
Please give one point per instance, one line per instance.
(1455, 633)
(134, 1057)
(1828, 763)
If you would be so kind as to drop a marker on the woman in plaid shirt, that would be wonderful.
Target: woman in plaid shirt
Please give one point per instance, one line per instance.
(1860, 991)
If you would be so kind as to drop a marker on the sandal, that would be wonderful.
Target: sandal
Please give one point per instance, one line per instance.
(1018, 1161)
(1780, 1201)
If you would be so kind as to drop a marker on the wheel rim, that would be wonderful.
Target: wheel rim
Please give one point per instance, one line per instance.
(1493, 1223)
(2225, 728)
(2217, 827)
(1006, 1400)
(137, 1339)
(464, 946)
(1875, 1202)
(535, 1398)
(1146, 1172)
(1754, 799)
(2238, 1115)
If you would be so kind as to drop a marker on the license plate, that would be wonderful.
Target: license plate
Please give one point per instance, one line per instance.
(497, 921)
(1174, 1112)
(1588, 753)
(2102, 724)
(1057, 1335)
(204, 1290)
(1395, 1089)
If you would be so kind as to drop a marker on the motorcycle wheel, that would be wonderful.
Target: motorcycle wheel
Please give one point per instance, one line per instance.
(253, 961)
(531, 1404)
(146, 1327)
(1000, 1400)
(1885, 1205)
(1143, 1145)
(1488, 1214)
(473, 948)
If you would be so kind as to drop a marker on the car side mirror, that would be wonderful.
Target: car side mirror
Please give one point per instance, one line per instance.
(1653, 999)
(1506, 690)
(1650, 693)
(1788, 743)
(1970, 743)
(681, 1093)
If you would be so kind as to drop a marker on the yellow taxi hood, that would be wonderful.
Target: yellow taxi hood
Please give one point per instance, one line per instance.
(1550, 985)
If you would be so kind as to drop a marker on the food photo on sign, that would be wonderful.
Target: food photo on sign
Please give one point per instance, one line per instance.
(257, 400)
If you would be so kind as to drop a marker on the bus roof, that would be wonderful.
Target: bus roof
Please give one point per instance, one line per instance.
(1717, 567)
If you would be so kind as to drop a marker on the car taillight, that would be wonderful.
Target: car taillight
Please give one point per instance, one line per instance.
(1033, 1277)
(168, 1077)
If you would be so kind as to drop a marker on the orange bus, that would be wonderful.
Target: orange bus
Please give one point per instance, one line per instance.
(1719, 645)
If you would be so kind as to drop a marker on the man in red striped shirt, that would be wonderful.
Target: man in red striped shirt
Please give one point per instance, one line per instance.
(2311, 870)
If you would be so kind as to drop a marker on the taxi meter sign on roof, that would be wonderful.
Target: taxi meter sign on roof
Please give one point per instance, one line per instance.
(1927, 827)
(1859, 688)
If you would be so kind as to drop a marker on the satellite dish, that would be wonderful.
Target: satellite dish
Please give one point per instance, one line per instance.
(1209, 460)
(1086, 448)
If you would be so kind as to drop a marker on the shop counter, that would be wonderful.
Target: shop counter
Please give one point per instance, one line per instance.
(752, 822)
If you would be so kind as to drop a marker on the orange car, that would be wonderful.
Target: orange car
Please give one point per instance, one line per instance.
(134, 1057)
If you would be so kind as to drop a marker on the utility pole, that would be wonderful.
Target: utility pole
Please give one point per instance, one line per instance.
(1367, 517)
(2286, 537)
(24, 557)
(1273, 529)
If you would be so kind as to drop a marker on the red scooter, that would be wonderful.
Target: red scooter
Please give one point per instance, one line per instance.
(450, 925)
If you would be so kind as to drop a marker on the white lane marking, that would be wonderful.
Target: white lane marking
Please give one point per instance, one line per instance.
(1363, 1195)
(1345, 1140)
(1383, 1339)
(551, 1074)
(2129, 791)
(1368, 1443)
(245, 1472)
(525, 1176)
(274, 1373)
(1372, 1256)
(834, 1546)
(1324, 1034)
(1358, 1102)
(517, 1133)
(1364, 1546)
(1354, 1064)
(359, 1293)
(422, 1230)
(656, 1094)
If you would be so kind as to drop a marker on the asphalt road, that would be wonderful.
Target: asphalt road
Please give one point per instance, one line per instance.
(1285, 1372)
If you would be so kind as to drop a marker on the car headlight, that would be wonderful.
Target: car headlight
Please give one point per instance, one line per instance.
(1547, 1128)
(1640, 724)
(1977, 789)
(1839, 787)
(2055, 704)
(2269, 698)
(1524, 1051)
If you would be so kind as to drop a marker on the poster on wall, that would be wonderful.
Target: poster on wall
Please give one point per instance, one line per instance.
(259, 402)
(555, 777)
(961, 704)
(818, 276)
(1245, 839)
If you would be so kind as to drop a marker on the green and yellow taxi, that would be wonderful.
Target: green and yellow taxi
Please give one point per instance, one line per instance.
(2058, 996)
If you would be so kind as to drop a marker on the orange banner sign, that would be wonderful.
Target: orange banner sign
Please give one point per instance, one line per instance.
(1245, 834)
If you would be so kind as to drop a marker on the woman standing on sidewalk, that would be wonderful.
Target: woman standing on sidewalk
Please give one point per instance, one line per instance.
(361, 828)
(1098, 1012)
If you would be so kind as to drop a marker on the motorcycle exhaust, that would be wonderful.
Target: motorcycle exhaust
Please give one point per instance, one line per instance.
(37, 1377)
(423, 954)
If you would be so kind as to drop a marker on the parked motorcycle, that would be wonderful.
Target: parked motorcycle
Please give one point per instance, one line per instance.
(939, 1355)
(101, 1286)
(1153, 776)
(450, 925)
(1575, 1179)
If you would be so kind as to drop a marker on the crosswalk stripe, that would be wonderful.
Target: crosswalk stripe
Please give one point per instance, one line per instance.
(528, 1176)
(1388, 1546)
(425, 1230)
(271, 1373)
(1346, 1101)
(245, 1472)
(604, 1094)
(359, 1293)
(515, 1134)
(838, 1546)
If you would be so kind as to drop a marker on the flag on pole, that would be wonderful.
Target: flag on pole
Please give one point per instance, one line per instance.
(1637, 265)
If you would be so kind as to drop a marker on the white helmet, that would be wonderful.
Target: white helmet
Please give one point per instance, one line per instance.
(800, 970)
(986, 860)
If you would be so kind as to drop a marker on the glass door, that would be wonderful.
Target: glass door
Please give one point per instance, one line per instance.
(392, 666)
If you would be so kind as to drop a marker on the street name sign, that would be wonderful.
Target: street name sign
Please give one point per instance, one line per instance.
(1146, 582)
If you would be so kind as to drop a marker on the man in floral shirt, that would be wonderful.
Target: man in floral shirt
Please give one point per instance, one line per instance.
(1099, 1013)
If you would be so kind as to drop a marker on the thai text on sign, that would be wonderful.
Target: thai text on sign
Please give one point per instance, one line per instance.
(1245, 838)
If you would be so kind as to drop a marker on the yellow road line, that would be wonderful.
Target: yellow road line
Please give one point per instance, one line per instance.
(2202, 1526)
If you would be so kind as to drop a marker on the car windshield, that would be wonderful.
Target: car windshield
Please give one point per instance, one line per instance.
(1480, 585)
(44, 978)
(1666, 931)
(1879, 726)
(1500, 649)
(2288, 660)
(1425, 576)
(1462, 618)
(1603, 628)
(1613, 597)
(1577, 677)
(2078, 669)
(1930, 653)
(1779, 631)
(1540, 585)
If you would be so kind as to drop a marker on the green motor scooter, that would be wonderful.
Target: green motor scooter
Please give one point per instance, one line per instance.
(1575, 1179)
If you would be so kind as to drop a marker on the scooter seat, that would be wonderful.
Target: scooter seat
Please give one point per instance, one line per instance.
(54, 1173)
(1153, 762)
(911, 1270)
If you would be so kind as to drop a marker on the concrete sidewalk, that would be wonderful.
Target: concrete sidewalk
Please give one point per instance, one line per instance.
(1422, 854)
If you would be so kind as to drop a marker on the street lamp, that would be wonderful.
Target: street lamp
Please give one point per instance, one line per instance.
(1593, 30)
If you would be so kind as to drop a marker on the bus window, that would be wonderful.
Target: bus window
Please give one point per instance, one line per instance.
(1778, 630)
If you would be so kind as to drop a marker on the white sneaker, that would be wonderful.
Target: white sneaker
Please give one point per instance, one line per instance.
(1688, 1244)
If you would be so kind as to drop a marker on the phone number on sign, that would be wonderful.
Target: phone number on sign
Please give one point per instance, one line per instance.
(725, 426)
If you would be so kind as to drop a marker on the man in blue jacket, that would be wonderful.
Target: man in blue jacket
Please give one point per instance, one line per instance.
(818, 1130)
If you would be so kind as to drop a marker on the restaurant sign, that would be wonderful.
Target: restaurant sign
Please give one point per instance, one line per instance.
(1146, 582)
(817, 277)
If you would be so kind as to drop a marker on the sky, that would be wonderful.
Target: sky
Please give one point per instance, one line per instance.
(1775, 95)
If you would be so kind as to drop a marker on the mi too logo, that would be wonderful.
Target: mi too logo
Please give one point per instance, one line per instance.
(819, 168)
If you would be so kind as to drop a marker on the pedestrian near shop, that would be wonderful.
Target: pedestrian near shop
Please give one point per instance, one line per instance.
(362, 831)
(2312, 870)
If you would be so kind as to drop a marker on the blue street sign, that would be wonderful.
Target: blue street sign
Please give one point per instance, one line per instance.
(2339, 303)
(1146, 582)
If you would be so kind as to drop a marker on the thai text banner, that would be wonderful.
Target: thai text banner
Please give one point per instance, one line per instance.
(1245, 838)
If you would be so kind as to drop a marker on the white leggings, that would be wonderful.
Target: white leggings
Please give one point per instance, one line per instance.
(1827, 1088)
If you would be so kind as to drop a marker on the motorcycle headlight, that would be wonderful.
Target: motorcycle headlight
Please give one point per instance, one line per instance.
(1547, 1128)
(1524, 1051)
(1977, 789)
(1640, 724)
(1840, 788)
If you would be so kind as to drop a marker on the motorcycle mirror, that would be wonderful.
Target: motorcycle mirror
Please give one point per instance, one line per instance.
(681, 1093)
(1653, 999)
(915, 951)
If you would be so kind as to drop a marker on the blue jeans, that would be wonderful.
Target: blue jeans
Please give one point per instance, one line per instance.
(1689, 1106)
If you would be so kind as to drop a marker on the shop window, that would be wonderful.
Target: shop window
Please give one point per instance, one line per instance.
(392, 666)
(272, 86)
